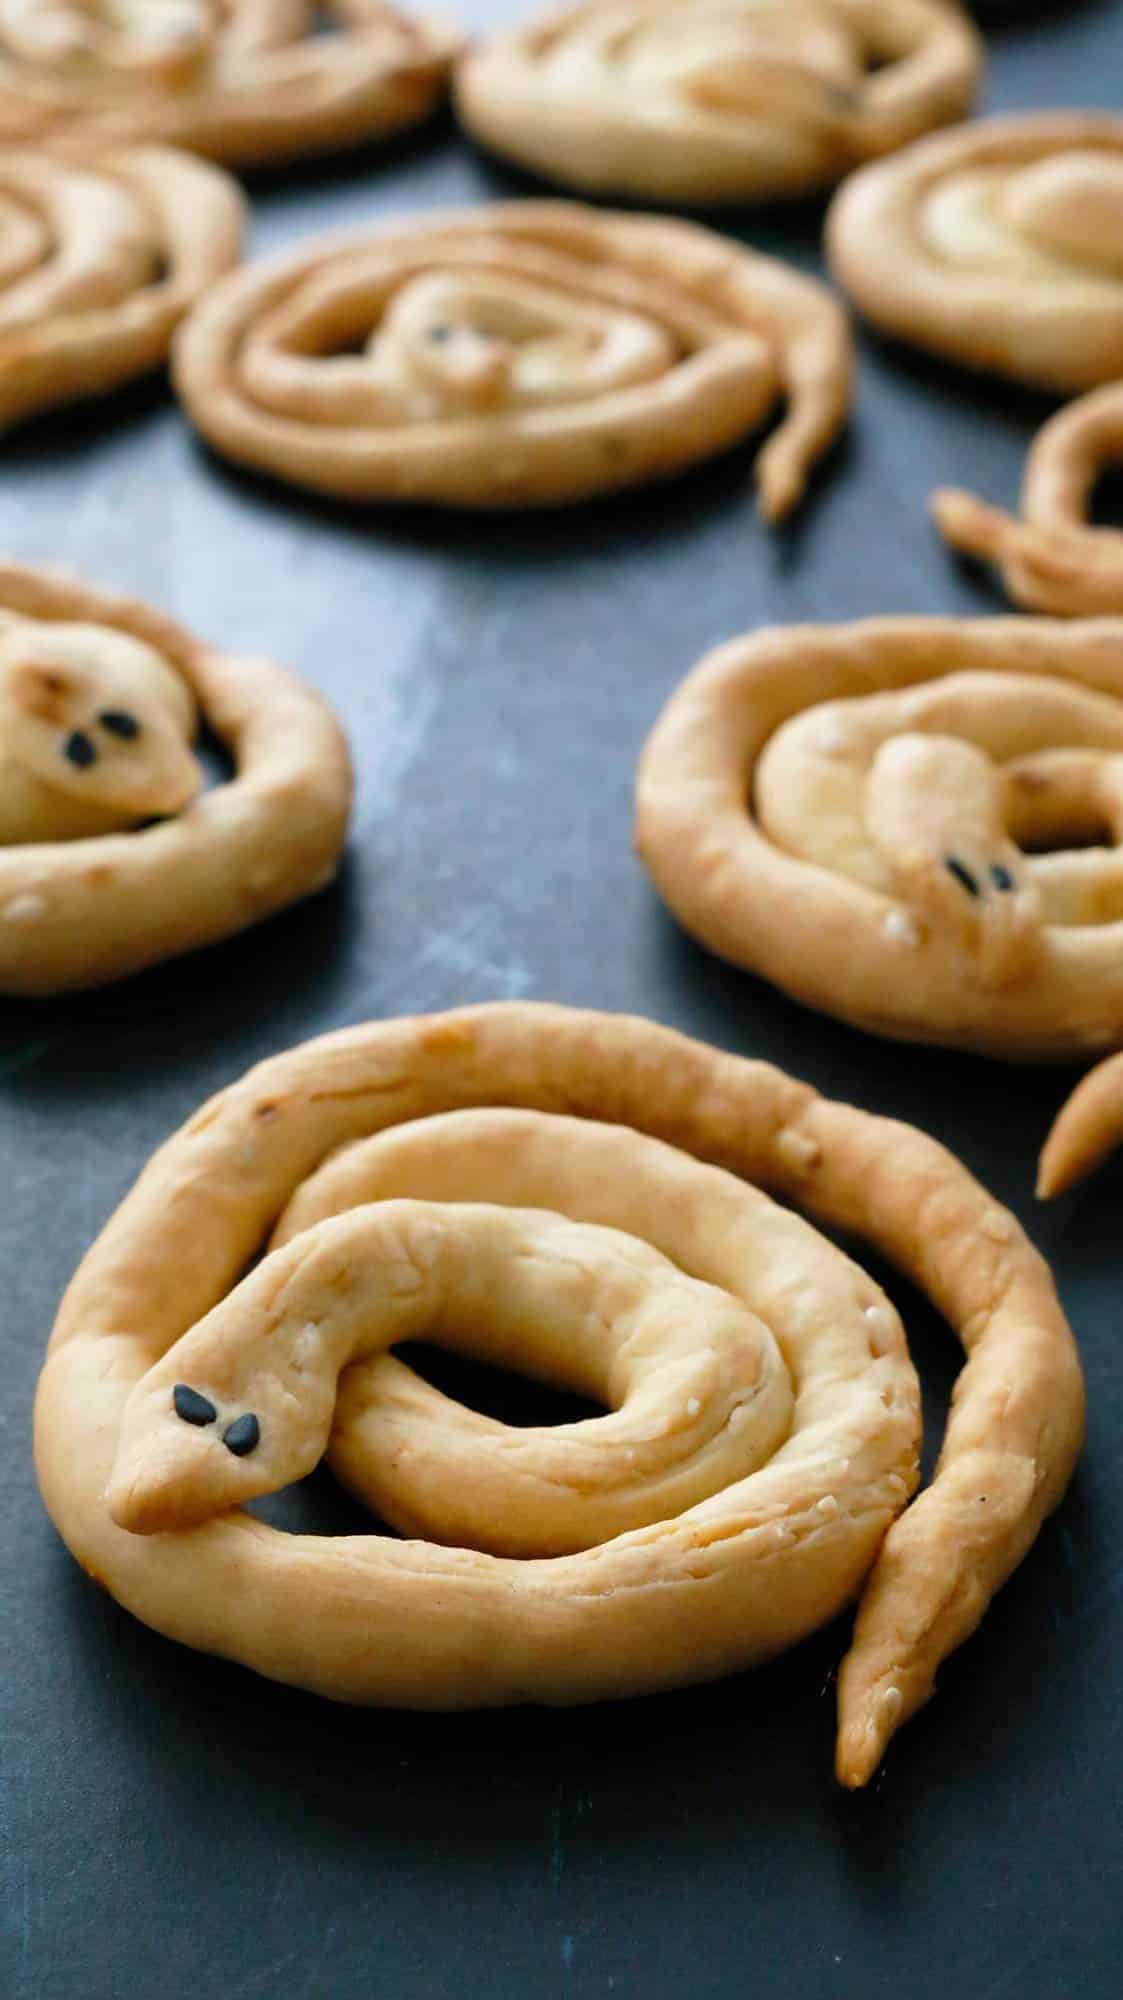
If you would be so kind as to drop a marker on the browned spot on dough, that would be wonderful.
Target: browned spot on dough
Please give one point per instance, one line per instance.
(448, 1037)
(44, 692)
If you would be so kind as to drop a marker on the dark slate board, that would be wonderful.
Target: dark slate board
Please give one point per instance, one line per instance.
(171, 1826)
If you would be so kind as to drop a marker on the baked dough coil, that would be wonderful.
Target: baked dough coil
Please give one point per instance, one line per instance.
(996, 245)
(99, 261)
(570, 1193)
(1052, 559)
(112, 855)
(913, 823)
(711, 101)
(534, 352)
(245, 82)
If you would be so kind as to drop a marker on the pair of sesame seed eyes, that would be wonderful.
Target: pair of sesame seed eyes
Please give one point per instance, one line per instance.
(241, 1437)
(1001, 877)
(80, 748)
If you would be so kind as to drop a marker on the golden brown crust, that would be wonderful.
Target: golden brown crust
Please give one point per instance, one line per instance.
(528, 353)
(711, 101)
(255, 85)
(727, 1581)
(106, 254)
(846, 809)
(1052, 559)
(79, 912)
(996, 245)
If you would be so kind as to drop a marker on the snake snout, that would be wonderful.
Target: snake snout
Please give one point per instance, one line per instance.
(181, 1460)
(149, 1497)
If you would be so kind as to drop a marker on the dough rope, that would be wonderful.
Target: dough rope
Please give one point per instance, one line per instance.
(996, 245)
(398, 1173)
(717, 100)
(244, 82)
(533, 352)
(100, 701)
(99, 261)
(1087, 1128)
(1052, 560)
(913, 823)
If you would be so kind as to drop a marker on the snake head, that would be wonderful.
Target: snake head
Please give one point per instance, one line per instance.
(453, 336)
(934, 808)
(766, 65)
(472, 343)
(215, 1424)
(983, 895)
(99, 718)
(775, 87)
(1069, 204)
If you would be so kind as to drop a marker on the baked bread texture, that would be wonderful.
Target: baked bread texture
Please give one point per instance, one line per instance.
(101, 258)
(245, 82)
(530, 353)
(1051, 558)
(996, 245)
(112, 854)
(595, 1200)
(912, 823)
(711, 101)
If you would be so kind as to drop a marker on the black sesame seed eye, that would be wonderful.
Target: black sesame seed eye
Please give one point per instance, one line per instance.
(961, 873)
(193, 1408)
(79, 750)
(1001, 877)
(120, 723)
(243, 1435)
(440, 334)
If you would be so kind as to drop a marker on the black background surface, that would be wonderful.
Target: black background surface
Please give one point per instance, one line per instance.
(170, 1825)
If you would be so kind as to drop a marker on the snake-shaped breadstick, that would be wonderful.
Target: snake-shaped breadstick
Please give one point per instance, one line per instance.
(522, 354)
(101, 255)
(996, 244)
(567, 1193)
(113, 855)
(914, 823)
(709, 101)
(241, 81)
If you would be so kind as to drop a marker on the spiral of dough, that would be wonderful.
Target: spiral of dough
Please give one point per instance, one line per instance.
(711, 101)
(913, 823)
(533, 352)
(573, 1195)
(113, 855)
(99, 261)
(997, 245)
(240, 81)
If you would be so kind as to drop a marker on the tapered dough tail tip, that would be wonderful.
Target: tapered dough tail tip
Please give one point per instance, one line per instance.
(864, 1733)
(1051, 1175)
(948, 506)
(1088, 1127)
(861, 1747)
(781, 482)
(965, 523)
